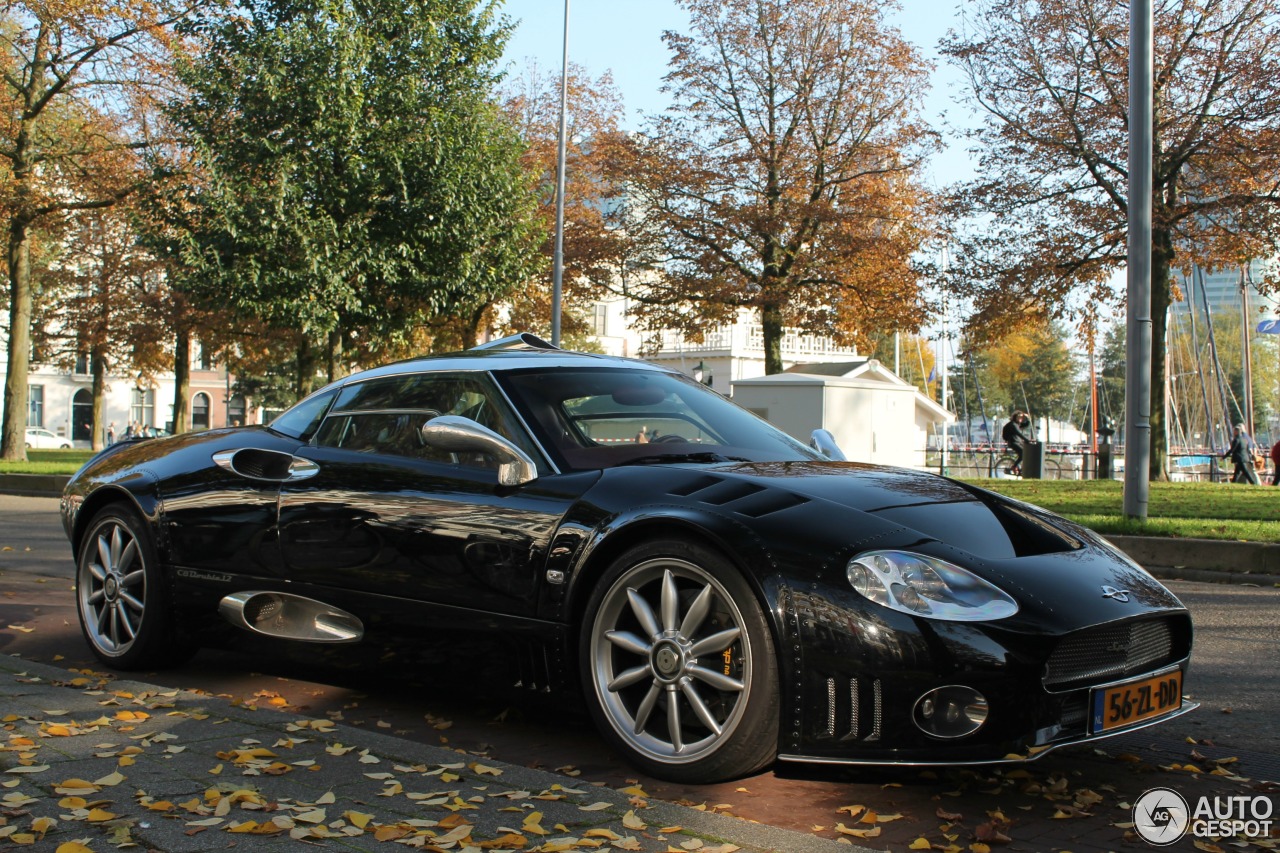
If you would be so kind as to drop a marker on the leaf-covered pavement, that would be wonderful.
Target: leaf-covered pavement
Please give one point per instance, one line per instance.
(115, 765)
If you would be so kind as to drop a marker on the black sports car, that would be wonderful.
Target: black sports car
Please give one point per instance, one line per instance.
(722, 594)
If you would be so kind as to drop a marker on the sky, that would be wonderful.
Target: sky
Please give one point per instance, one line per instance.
(625, 37)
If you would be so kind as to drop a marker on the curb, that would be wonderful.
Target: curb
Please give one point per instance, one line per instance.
(34, 485)
(1257, 560)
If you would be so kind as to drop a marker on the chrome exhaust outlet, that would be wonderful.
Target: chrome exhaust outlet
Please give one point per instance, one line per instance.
(290, 617)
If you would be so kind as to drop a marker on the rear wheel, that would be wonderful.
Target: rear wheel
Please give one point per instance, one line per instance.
(123, 614)
(679, 666)
(1007, 466)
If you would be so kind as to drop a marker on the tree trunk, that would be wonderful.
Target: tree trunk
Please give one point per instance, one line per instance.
(98, 364)
(1161, 259)
(305, 380)
(335, 355)
(13, 438)
(771, 322)
(182, 381)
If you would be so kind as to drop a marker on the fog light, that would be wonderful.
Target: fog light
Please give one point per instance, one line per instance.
(950, 712)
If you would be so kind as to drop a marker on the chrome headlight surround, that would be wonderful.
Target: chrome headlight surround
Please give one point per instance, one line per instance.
(919, 585)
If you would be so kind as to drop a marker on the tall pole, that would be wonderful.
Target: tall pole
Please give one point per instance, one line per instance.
(1137, 382)
(942, 362)
(1246, 351)
(557, 281)
(1093, 402)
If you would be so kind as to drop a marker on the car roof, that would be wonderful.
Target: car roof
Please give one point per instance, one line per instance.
(501, 357)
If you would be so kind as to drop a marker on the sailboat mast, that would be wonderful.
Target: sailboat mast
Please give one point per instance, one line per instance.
(1246, 352)
(1195, 345)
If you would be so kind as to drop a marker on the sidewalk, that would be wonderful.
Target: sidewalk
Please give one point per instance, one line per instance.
(104, 762)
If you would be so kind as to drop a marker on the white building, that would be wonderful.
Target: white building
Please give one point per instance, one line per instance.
(61, 400)
(726, 353)
(874, 415)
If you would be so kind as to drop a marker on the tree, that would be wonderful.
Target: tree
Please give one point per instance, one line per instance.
(104, 281)
(978, 393)
(915, 358)
(76, 78)
(1049, 79)
(350, 180)
(1035, 371)
(595, 245)
(784, 179)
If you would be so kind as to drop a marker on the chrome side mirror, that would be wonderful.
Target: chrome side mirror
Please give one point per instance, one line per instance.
(455, 434)
(825, 443)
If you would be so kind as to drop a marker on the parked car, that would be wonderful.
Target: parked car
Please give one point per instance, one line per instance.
(42, 439)
(720, 596)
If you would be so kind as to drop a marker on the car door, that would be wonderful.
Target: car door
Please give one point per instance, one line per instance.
(388, 514)
(220, 517)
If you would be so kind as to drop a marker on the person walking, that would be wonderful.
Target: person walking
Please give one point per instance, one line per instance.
(111, 433)
(1241, 455)
(1275, 463)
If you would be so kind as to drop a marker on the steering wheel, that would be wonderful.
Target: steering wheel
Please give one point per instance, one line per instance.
(663, 439)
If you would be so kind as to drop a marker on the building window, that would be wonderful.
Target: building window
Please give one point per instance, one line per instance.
(82, 364)
(235, 410)
(143, 410)
(35, 405)
(82, 416)
(200, 411)
(600, 319)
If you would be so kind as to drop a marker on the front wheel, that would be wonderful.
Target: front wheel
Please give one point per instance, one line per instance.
(123, 614)
(679, 666)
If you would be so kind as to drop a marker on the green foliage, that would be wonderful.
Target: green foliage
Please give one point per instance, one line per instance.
(978, 392)
(348, 169)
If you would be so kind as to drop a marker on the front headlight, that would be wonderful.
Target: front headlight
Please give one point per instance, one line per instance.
(926, 586)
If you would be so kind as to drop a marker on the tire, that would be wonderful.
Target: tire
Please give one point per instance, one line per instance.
(124, 615)
(1006, 466)
(684, 698)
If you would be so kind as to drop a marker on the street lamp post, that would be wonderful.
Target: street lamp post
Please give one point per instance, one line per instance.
(1137, 424)
(557, 279)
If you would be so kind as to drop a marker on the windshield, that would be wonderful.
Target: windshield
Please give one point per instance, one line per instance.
(601, 417)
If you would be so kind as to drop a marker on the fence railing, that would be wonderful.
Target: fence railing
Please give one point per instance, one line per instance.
(1070, 463)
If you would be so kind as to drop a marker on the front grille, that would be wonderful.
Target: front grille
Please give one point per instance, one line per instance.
(1099, 655)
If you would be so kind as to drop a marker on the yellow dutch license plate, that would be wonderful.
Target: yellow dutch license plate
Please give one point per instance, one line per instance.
(1125, 704)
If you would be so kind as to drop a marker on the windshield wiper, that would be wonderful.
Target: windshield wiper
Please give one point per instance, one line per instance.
(705, 457)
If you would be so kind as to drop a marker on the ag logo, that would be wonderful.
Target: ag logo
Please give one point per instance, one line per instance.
(1161, 816)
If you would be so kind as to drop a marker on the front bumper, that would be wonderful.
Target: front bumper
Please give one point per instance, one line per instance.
(858, 679)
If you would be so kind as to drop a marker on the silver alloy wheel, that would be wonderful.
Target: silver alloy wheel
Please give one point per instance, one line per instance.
(113, 588)
(659, 631)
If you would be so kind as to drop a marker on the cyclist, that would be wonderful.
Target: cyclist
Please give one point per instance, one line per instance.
(1016, 438)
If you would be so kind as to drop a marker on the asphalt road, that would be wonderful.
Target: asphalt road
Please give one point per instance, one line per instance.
(465, 698)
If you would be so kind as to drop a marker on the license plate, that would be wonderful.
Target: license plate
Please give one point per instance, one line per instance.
(1125, 704)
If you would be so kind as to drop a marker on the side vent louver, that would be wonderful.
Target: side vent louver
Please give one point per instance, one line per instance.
(740, 497)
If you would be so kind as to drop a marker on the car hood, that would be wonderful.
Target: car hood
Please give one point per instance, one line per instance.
(1059, 572)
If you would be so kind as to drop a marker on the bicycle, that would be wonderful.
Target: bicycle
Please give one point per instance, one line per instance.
(1008, 465)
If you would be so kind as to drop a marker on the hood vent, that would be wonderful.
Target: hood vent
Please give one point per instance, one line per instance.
(737, 496)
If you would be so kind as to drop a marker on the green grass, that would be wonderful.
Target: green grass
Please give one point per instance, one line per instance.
(48, 462)
(1193, 510)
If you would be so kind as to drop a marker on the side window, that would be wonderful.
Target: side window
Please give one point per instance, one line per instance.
(386, 416)
(300, 421)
